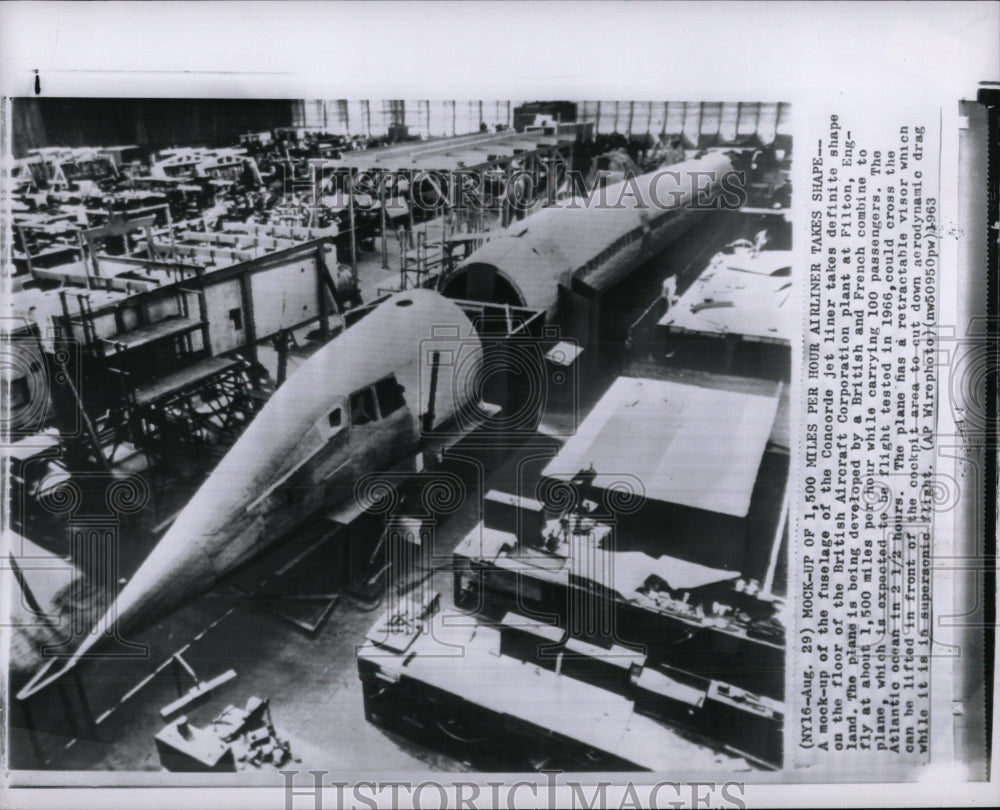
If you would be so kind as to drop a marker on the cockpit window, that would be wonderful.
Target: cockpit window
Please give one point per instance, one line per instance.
(335, 418)
(362, 407)
(390, 396)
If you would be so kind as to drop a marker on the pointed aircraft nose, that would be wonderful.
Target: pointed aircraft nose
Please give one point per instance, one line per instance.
(176, 570)
(238, 511)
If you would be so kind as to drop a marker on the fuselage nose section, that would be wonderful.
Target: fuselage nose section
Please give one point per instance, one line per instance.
(306, 448)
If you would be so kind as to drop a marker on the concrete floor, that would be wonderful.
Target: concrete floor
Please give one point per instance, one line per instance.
(311, 680)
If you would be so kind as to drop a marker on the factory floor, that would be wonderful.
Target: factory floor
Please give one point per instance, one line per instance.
(310, 679)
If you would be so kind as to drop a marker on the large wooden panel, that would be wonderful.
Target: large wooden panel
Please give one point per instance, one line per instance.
(284, 296)
(226, 316)
(689, 446)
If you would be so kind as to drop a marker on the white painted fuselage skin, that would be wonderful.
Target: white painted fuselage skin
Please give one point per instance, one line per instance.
(354, 407)
(596, 242)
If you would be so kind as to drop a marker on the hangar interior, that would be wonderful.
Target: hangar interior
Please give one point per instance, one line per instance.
(441, 435)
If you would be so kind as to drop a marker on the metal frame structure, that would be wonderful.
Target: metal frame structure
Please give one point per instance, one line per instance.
(492, 158)
(209, 396)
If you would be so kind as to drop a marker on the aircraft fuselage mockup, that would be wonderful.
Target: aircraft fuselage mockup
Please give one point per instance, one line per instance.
(361, 404)
(593, 244)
